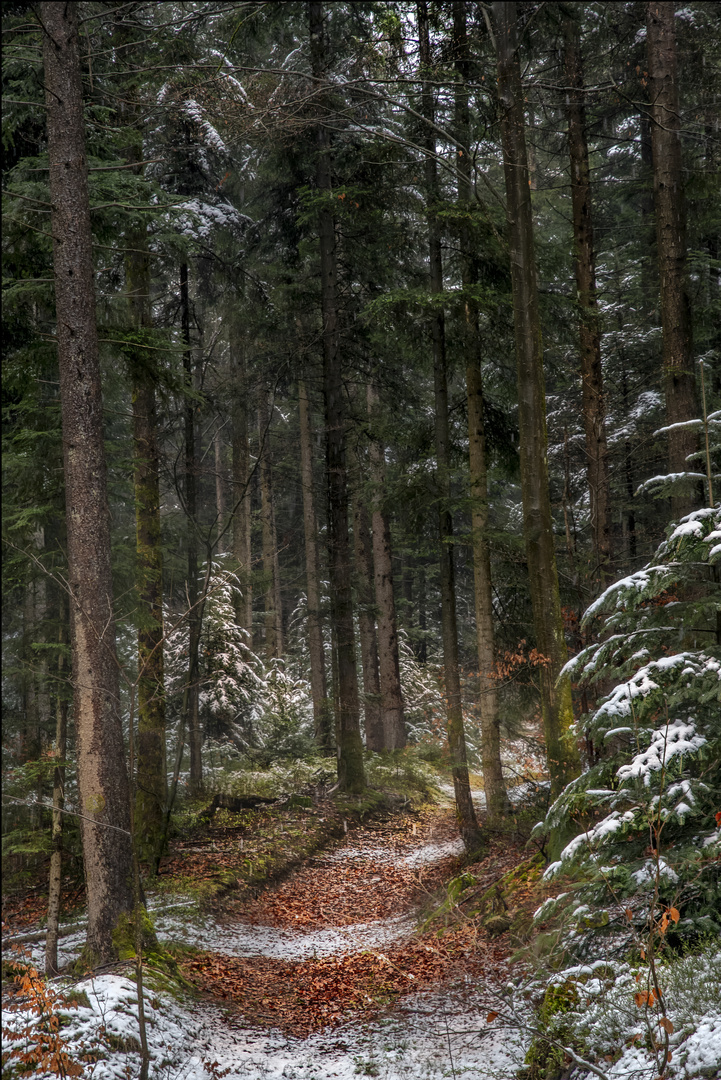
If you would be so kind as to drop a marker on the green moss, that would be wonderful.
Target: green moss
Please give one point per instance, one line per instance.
(544, 1061)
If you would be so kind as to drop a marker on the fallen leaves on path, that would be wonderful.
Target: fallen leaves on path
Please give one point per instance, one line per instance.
(302, 997)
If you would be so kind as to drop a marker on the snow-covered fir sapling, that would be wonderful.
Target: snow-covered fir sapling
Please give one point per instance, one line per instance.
(647, 799)
(641, 875)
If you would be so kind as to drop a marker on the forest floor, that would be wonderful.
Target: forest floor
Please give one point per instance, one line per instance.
(309, 938)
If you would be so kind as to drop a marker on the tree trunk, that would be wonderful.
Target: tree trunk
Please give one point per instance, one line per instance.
(556, 703)
(219, 490)
(102, 775)
(151, 780)
(454, 708)
(593, 399)
(271, 571)
(56, 837)
(497, 803)
(350, 748)
(242, 517)
(394, 728)
(669, 202)
(191, 510)
(318, 684)
(363, 549)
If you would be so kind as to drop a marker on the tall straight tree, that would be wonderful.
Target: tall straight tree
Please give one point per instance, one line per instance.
(392, 718)
(318, 682)
(592, 394)
(101, 768)
(242, 518)
(271, 568)
(151, 780)
(192, 696)
(670, 206)
(497, 803)
(366, 609)
(351, 774)
(467, 821)
(556, 703)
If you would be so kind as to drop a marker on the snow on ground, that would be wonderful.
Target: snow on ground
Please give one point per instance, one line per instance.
(427, 1036)
(247, 939)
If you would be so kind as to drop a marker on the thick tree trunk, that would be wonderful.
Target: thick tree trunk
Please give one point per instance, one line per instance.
(271, 569)
(102, 774)
(191, 511)
(318, 684)
(556, 703)
(151, 780)
(242, 518)
(365, 593)
(350, 748)
(593, 400)
(394, 728)
(454, 708)
(497, 803)
(669, 202)
(56, 838)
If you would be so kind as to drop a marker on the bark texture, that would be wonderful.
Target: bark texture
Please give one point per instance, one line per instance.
(556, 703)
(497, 803)
(56, 836)
(242, 519)
(593, 399)
(467, 822)
(271, 569)
(365, 594)
(318, 681)
(670, 206)
(392, 718)
(102, 774)
(350, 748)
(150, 780)
(192, 697)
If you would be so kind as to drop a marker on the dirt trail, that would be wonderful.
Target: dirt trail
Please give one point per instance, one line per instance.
(338, 938)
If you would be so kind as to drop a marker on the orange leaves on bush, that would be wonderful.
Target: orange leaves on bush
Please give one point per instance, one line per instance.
(491, 1017)
(39, 1047)
(645, 997)
(666, 1024)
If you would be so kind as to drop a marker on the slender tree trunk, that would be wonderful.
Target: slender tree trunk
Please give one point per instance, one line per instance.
(593, 399)
(363, 549)
(191, 510)
(394, 728)
(151, 780)
(102, 775)
(242, 516)
(56, 839)
(556, 703)
(670, 205)
(219, 489)
(271, 570)
(497, 803)
(454, 708)
(318, 684)
(350, 748)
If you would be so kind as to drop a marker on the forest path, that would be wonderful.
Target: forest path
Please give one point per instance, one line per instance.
(331, 964)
